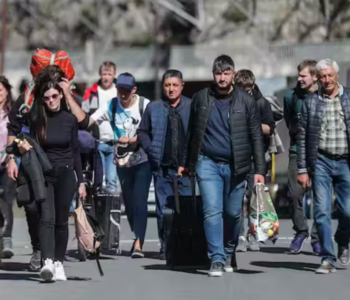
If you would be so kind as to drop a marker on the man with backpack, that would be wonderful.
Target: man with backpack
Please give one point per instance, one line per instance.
(97, 97)
(293, 102)
(134, 171)
(162, 135)
(245, 80)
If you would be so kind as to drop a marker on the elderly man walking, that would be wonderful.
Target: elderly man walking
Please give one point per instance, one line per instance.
(323, 154)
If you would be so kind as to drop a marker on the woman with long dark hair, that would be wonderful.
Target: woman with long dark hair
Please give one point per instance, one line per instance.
(56, 130)
(8, 187)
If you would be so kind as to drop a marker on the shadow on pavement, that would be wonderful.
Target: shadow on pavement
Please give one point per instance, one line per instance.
(309, 267)
(72, 278)
(147, 254)
(14, 266)
(243, 271)
(75, 255)
(19, 276)
(282, 250)
(160, 267)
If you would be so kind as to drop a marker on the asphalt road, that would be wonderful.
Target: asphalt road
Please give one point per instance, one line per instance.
(269, 274)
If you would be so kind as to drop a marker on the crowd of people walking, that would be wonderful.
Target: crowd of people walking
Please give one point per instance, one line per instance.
(221, 136)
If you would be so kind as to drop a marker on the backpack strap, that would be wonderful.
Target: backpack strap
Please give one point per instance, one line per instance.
(28, 100)
(114, 105)
(141, 105)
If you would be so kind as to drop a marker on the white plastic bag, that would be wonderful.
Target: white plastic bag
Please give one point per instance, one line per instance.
(264, 225)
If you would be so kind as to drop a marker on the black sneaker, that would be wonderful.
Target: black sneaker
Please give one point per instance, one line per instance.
(231, 263)
(7, 251)
(216, 269)
(325, 268)
(343, 256)
(35, 261)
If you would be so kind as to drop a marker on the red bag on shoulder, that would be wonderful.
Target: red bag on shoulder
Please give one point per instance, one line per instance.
(41, 59)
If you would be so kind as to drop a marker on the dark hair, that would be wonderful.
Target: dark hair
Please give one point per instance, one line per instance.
(223, 63)
(107, 64)
(244, 78)
(9, 99)
(49, 78)
(310, 64)
(172, 74)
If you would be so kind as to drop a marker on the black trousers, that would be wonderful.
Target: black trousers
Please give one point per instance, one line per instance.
(54, 215)
(32, 216)
(7, 198)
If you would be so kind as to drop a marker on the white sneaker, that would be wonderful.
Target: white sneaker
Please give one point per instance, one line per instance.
(59, 272)
(48, 271)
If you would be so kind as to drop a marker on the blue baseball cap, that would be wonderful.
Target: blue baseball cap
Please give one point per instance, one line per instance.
(126, 81)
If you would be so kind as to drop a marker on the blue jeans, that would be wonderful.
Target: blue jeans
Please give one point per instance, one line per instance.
(222, 196)
(109, 168)
(330, 173)
(164, 187)
(135, 182)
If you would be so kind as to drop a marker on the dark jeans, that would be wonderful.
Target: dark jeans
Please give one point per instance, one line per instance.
(7, 198)
(54, 214)
(164, 187)
(135, 182)
(295, 196)
(222, 196)
(33, 218)
(331, 173)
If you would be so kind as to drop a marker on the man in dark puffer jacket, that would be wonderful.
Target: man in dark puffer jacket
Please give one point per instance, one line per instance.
(323, 142)
(224, 132)
(162, 134)
(245, 80)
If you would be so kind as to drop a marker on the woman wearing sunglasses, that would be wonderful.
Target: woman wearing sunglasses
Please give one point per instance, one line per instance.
(56, 130)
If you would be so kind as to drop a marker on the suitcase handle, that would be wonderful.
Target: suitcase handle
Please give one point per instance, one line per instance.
(176, 193)
(194, 198)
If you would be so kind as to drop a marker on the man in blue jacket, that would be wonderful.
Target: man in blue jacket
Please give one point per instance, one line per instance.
(162, 135)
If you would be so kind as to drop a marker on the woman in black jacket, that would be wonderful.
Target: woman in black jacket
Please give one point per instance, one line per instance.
(56, 130)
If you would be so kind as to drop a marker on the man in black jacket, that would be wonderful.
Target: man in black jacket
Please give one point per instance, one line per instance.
(224, 132)
(245, 79)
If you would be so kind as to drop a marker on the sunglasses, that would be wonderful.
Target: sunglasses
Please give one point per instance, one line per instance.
(54, 97)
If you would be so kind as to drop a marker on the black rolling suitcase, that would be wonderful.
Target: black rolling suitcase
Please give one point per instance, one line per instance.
(108, 213)
(186, 245)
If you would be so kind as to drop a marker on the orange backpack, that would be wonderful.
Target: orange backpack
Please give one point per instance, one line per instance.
(41, 59)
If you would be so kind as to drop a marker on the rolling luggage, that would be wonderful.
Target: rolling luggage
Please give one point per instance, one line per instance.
(108, 213)
(186, 244)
